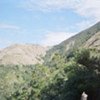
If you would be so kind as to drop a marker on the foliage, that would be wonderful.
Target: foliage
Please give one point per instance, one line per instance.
(64, 80)
(12, 77)
(82, 74)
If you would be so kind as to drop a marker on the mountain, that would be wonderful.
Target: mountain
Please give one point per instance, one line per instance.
(28, 54)
(87, 38)
(25, 54)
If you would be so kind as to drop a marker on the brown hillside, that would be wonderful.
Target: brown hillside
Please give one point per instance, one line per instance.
(22, 54)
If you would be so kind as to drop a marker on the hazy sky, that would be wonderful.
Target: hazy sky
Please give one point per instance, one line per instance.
(45, 22)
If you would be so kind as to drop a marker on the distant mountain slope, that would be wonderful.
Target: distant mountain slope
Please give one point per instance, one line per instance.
(22, 54)
(94, 41)
(79, 40)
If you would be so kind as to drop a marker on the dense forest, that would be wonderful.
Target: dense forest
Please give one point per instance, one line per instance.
(65, 80)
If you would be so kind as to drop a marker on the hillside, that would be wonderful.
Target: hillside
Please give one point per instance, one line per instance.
(94, 41)
(79, 40)
(22, 54)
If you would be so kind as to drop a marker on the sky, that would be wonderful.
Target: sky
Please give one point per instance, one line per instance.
(45, 22)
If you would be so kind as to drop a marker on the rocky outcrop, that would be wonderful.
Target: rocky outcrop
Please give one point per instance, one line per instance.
(94, 41)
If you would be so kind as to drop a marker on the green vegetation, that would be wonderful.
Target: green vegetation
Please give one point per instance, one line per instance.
(65, 80)
(12, 78)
